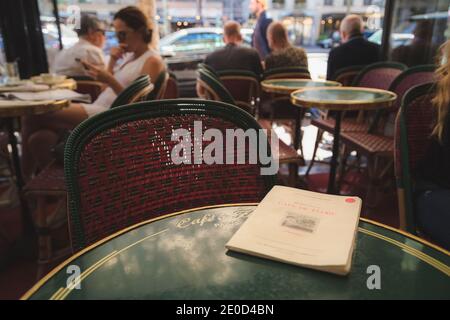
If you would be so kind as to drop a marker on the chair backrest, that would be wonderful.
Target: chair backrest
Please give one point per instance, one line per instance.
(159, 87)
(91, 87)
(346, 76)
(215, 90)
(208, 68)
(243, 85)
(413, 128)
(402, 83)
(120, 171)
(412, 77)
(171, 91)
(379, 75)
(291, 72)
(137, 90)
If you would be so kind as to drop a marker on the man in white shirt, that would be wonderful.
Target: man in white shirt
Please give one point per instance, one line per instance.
(89, 48)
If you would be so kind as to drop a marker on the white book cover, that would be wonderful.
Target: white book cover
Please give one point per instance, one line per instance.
(301, 227)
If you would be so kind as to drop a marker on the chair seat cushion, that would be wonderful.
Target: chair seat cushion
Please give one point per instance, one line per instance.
(347, 125)
(369, 143)
(286, 154)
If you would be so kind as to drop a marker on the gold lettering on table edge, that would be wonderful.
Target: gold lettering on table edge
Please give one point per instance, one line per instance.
(412, 251)
(187, 222)
(66, 291)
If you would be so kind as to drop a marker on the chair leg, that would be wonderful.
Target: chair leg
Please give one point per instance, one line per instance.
(316, 146)
(44, 238)
(342, 166)
(293, 174)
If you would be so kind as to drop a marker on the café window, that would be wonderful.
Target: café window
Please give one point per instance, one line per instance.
(278, 4)
(328, 3)
(300, 3)
(348, 2)
(418, 30)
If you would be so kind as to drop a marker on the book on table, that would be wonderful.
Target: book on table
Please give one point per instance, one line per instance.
(303, 228)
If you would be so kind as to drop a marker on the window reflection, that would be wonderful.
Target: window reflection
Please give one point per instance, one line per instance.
(418, 30)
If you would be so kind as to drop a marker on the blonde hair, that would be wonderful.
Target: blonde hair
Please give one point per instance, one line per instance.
(442, 98)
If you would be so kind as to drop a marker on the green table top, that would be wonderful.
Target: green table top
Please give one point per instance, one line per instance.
(182, 256)
(343, 98)
(287, 86)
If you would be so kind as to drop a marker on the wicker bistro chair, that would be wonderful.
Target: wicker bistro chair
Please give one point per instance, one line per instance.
(287, 72)
(138, 90)
(119, 169)
(48, 186)
(413, 127)
(159, 87)
(243, 86)
(377, 142)
(172, 91)
(208, 68)
(91, 87)
(380, 75)
(215, 90)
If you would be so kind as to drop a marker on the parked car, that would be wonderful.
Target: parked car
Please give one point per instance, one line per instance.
(196, 42)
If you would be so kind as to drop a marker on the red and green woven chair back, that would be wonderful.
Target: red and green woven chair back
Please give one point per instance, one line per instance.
(243, 85)
(379, 75)
(346, 76)
(413, 128)
(130, 92)
(410, 78)
(119, 170)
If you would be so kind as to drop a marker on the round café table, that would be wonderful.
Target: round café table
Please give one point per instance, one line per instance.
(182, 256)
(10, 110)
(286, 87)
(66, 84)
(338, 100)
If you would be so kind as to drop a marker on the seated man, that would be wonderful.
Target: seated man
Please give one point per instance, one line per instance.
(89, 48)
(234, 56)
(355, 50)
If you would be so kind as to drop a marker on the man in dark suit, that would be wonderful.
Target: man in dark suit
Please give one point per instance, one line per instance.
(355, 50)
(259, 39)
(234, 56)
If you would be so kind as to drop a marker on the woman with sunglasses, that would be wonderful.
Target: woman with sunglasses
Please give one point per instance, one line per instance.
(131, 59)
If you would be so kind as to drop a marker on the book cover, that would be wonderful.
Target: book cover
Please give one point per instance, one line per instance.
(303, 228)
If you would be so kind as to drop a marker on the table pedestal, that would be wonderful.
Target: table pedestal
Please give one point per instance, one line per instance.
(27, 221)
(334, 159)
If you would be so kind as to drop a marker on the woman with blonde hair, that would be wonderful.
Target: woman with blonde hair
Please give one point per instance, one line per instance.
(433, 174)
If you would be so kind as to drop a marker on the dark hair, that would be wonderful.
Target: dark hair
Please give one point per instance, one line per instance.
(88, 23)
(136, 20)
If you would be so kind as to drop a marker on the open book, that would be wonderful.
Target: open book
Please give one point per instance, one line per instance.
(303, 228)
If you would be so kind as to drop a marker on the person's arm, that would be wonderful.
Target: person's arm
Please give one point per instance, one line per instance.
(104, 76)
(115, 54)
(153, 66)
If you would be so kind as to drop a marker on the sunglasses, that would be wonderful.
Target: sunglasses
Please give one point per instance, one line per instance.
(121, 36)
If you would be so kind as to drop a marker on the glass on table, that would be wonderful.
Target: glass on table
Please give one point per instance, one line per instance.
(12, 72)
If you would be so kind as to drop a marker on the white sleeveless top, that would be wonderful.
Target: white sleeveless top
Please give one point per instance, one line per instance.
(126, 73)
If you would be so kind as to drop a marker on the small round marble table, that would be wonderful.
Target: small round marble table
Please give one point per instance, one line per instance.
(182, 256)
(286, 87)
(338, 100)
